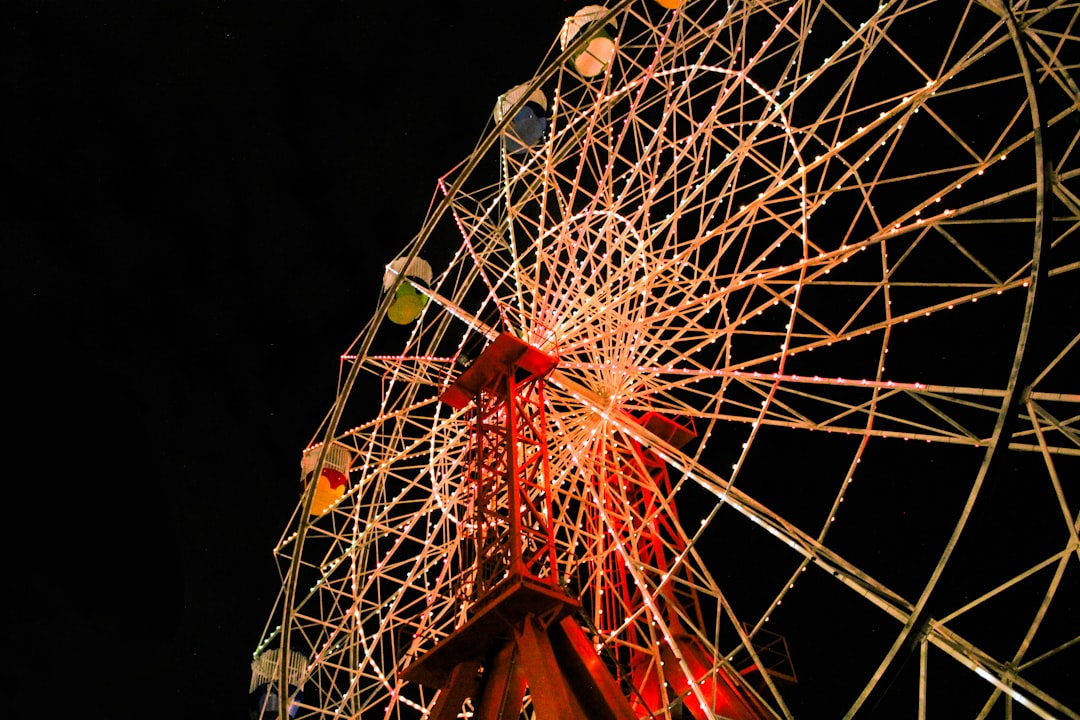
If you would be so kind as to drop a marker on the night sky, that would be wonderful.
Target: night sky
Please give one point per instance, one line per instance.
(200, 199)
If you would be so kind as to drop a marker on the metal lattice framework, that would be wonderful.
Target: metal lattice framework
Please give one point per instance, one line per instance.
(842, 244)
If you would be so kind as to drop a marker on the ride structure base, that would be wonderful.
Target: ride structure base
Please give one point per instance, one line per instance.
(522, 636)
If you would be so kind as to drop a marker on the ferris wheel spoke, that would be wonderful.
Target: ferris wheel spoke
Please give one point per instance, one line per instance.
(857, 580)
(1001, 673)
(744, 504)
(670, 595)
(879, 408)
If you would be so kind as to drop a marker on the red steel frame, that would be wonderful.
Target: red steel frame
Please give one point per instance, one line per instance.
(511, 512)
(521, 632)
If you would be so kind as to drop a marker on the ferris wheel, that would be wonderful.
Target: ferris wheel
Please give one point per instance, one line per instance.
(734, 371)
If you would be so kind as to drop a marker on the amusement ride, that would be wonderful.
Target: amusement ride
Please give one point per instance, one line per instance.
(733, 374)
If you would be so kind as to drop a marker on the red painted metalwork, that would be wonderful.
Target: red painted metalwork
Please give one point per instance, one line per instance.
(509, 529)
(654, 529)
(521, 634)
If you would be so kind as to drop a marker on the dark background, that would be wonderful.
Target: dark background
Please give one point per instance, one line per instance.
(200, 197)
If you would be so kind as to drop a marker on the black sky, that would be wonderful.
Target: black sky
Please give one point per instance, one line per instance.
(199, 201)
(200, 198)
